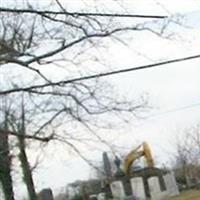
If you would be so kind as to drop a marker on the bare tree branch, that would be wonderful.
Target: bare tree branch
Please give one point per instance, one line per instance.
(32, 137)
(60, 139)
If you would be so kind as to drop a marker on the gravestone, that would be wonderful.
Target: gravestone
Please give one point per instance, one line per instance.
(101, 196)
(171, 184)
(138, 188)
(46, 194)
(93, 197)
(117, 190)
(155, 190)
(107, 166)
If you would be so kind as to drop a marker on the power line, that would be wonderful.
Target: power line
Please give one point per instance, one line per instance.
(99, 75)
(174, 110)
(77, 14)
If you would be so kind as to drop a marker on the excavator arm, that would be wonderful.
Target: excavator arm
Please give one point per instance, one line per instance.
(135, 154)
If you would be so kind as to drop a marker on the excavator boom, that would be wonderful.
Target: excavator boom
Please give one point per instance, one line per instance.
(135, 154)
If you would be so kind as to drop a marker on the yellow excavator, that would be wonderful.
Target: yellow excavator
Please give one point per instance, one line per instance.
(137, 153)
(142, 150)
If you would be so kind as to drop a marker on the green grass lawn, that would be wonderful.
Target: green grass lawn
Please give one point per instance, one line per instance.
(188, 195)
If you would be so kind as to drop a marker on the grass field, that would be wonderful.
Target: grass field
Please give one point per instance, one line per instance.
(188, 195)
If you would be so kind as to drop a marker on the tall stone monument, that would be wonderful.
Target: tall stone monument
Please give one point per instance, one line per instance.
(46, 194)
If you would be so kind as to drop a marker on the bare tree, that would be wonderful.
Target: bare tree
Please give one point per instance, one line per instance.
(187, 163)
(39, 57)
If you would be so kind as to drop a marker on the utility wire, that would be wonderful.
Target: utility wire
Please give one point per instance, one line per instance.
(81, 14)
(99, 75)
(174, 110)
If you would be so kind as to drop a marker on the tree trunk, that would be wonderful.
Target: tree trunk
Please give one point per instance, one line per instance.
(27, 173)
(5, 167)
(26, 170)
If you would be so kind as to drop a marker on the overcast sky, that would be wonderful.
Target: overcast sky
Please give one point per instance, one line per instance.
(173, 89)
